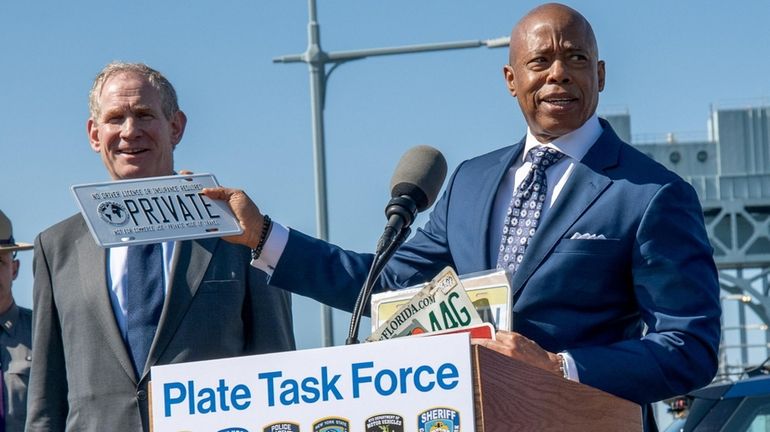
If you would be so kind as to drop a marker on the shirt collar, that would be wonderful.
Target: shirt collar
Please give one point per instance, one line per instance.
(574, 144)
(9, 318)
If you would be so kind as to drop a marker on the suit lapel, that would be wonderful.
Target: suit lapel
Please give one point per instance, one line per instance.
(489, 183)
(586, 183)
(188, 266)
(93, 270)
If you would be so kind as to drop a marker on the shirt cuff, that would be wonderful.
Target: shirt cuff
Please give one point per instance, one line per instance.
(571, 372)
(273, 249)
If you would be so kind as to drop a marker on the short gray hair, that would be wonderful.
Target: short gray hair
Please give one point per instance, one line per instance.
(168, 99)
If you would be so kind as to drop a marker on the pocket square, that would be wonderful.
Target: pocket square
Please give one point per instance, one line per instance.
(587, 236)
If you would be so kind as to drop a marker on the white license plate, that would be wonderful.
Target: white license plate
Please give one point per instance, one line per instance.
(153, 210)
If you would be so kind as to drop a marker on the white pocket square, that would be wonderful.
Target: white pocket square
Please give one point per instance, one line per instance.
(587, 236)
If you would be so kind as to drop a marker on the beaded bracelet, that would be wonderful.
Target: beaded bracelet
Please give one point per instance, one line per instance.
(266, 225)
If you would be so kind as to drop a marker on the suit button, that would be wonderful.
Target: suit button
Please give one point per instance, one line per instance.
(141, 395)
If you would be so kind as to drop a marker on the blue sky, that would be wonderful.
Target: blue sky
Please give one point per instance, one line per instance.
(249, 119)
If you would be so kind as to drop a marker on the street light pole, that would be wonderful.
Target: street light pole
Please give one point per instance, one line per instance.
(317, 59)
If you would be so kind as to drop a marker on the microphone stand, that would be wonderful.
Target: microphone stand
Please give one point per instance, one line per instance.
(381, 256)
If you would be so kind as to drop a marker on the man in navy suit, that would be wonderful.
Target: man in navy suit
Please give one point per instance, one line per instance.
(617, 288)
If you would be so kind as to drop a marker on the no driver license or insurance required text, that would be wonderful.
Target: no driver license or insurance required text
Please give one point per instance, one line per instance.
(154, 209)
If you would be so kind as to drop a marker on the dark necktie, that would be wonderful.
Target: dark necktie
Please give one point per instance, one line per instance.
(144, 300)
(523, 214)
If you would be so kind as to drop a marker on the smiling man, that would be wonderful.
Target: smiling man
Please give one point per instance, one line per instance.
(554, 72)
(611, 269)
(133, 126)
(104, 317)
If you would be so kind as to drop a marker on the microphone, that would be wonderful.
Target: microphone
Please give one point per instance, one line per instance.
(414, 187)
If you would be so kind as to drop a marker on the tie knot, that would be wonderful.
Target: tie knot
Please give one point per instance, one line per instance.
(543, 157)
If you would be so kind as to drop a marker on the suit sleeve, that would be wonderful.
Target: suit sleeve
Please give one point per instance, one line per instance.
(676, 286)
(334, 276)
(47, 405)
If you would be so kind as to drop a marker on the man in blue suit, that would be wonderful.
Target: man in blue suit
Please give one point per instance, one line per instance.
(617, 287)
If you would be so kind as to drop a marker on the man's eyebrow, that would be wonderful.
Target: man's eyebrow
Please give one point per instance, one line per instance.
(110, 112)
(141, 107)
(134, 109)
(537, 52)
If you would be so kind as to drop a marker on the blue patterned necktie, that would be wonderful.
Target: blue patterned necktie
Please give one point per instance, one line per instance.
(144, 300)
(523, 214)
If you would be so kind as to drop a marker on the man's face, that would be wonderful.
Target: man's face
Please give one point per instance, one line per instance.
(133, 136)
(9, 269)
(554, 73)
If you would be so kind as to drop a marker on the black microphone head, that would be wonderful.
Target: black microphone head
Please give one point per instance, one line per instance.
(419, 175)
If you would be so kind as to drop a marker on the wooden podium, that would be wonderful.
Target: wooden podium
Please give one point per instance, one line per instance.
(506, 395)
(513, 396)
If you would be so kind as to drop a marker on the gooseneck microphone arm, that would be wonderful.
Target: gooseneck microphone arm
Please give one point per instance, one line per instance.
(414, 187)
(381, 257)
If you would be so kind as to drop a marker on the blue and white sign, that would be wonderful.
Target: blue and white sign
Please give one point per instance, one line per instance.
(414, 378)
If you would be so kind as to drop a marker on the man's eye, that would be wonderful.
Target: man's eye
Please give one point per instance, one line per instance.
(114, 120)
(578, 57)
(538, 63)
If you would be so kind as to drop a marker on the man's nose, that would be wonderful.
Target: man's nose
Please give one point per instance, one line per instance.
(558, 72)
(129, 129)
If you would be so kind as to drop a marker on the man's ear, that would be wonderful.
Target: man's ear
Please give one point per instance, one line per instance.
(600, 71)
(178, 123)
(15, 269)
(93, 135)
(509, 78)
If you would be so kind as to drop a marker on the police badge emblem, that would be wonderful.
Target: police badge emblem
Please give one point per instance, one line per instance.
(385, 423)
(439, 420)
(281, 427)
(332, 424)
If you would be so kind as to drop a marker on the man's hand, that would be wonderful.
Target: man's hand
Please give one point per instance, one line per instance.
(244, 209)
(519, 347)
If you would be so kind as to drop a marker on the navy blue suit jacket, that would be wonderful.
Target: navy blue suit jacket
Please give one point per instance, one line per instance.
(592, 298)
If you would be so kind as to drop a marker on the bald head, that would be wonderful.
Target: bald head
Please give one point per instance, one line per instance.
(550, 14)
(554, 70)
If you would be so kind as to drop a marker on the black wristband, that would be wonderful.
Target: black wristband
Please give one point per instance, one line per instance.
(266, 225)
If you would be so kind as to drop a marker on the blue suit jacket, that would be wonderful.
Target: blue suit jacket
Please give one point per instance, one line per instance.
(592, 298)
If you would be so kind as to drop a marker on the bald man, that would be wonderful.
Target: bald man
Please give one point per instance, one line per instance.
(612, 272)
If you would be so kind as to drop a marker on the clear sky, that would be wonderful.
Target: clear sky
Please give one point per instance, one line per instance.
(249, 119)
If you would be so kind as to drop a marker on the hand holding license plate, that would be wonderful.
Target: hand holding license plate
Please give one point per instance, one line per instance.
(154, 209)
